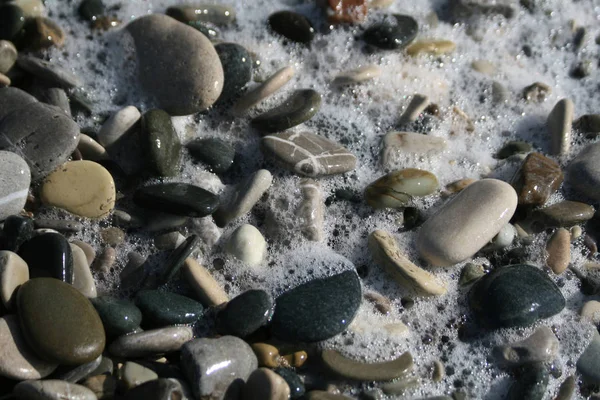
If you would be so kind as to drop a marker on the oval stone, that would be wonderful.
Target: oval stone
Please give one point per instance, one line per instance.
(244, 314)
(583, 174)
(317, 310)
(13, 273)
(293, 26)
(393, 34)
(11, 21)
(161, 308)
(301, 106)
(247, 244)
(178, 199)
(52, 389)
(8, 56)
(237, 67)
(396, 189)
(59, 323)
(151, 343)
(119, 317)
(467, 223)
(48, 255)
(84, 188)
(15, 179)
(264, 384)
(163, 148)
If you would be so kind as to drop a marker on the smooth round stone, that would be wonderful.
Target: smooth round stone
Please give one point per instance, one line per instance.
(317, 310)
(248, 245)
(214, 13)
(8, 56)
(467, 223)
(82, 275)
(515, 295)
(297, 389)
(91, 10)
(301, 106)
(244, 314)
(484, 66)
(583, 174)
(360, 371)
(397, 32)
(48, 255)
(591, 311)
(163, 147)
(541, 346)
(52, 389)
(182, 59)
(216, 153)
(588, 364)
(90, 253)
(157, 389)
(103, 386)
(15, 178)
(161, 308)
(11, 21)
(237, 68)
(17, 360)
(112, 236)
(558, 249)
(119, 317)
(503, 239)
(264, 384)
(13, 273)
(255, 95)
(585, 123)
(206, 287)
(51, 73)
(396, 189)
(16, 230)
(59, 323)
(213, 365)
(177, 199)
(292, 26)
(151, 343)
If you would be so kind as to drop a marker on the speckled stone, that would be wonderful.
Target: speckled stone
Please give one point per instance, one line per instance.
(395, 33)
(299, 107)
(216, 153)
(161, 308)
(293, 26)
(244, 314)
(48, 255)
(151, 343)
(52, 389)
(119, 317)
(237, 68)
(347, 11)
(361, 371)
(583, 173)
(162, 145)
(531, 383)
(177, 198)
(558, 249)
(537, 179)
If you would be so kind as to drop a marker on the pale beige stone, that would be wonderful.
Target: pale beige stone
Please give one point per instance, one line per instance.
(264, 90)
(357, 75)
(13, 273)
(541, 346)
(31, 8)
(82, 275)
(397, 329)
(483, 66)
(134, 374)
(90, 149)
(439, 371)
(459, 185)
(151, 343)
(8, 56)
(591, 311)
(264, 384)
(397, 145)
(559, 123)
(84, 188)
(104, 386)
(558, 249)
(209, 291)
(248, 245)
(4, 80)
(434, 47)
(90, 253)
(380, 3)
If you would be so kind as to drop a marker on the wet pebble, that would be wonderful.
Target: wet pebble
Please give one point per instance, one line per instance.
(356, 370)
(588, 364)
(13, 273)
(151, 343)
(257, 94)
(264, 384)
(397, 145)
(160, 308)
(133, 374)
(537, 179)
(119, 317)
(248, 245)
(168, 241)
(558, 249)
(396, 189)
(591, 311)
(177, 198)
(214, 152)
(8, 56)
(541, 346)
(433, 47)
(214, 13)
(82, 275)
(103, 386)
(15, 178)
(293, 26)
(583, 173)
(531, 383)
(162, 145)
(563, 214)
(53, 74)
(245, 314)
(395, 33)
(356, 76)
(299, 107)
(48, 255)
(311, 210)
(559, 124)
(237, 68)
(207, 289)
(297, 388)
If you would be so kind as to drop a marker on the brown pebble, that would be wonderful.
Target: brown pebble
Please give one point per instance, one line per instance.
(537, 179)
(295, 360)
(104, 386)
(105, 261)
(559, 251)
(105, 22)
(382, 303)
(112, 236)
(360, 371)
(267, 355)
(347, 11)
(41, 33)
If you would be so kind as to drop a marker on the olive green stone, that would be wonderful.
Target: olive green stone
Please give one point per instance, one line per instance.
(216, 153)
(301, 106)
(161, 308)
(59, 323)
(396, 189)
(564, 214)
(162, 143)
(356, 370)
(118, 316)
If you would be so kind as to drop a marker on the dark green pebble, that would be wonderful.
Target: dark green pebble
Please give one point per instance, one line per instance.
(293, 26)
(90, 10)
(395, 33)
(162, 145)
(216, 153)
(11, 21)
(177, 199)
(48, 255)
(119, 317)
(237, 69)
(301, 106)
(297, 388)
(160, 308)
(245, 314)
(530, 384)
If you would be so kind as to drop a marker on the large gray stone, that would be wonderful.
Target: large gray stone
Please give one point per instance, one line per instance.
(12, 99)
(51, 73)
(15, 178)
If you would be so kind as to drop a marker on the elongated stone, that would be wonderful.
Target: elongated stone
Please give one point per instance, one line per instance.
(264, 90)
(91, 149)
(292, 26)
(161, 308)
(214, 13)
(119, 317)
(248, 245)
(83, 279)
(301, 106)
(583, 173)
(8, 56)
(397, 145)
(386, 253)
(13, 273)
(396, 189)
(563, 214)
(311, 210)
(177, 198)
(417, 105)
(207, 289)
(466, 223)
(162, 144)
(133, 374)
(360, 371)
(433, 47)
(52, 389)
(395, 33)
(559, 124)
(41, 33)
(558, 249)
(358, 75)
(151, 343)
(309, 154)
(52, 73)
(118, 125)
(537, 179)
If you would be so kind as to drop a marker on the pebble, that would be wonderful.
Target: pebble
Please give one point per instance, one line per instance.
(216, 153)
(356, 76)
(558, 249)
(4, 81)
(118, 125)
(13, 99)
(54, 96)
(169, 241)
(112, 236)
(433, 47)
(84, 188)
(248, 245)
(439, 371)
(213, 13)
(299, 107)
(11, 21)
(566, 389)
(267, 355)
(381, 303)
(513, 147)
(82, 275)
(400, 387)
(464, 10)
(62, 225)
(591, 311)
(152, 342)
(531, 383)
(396, 189)
(213, 365)
(106, 260)
(207, 289)
(448, 238)
(500, 93)
(17, 360)
(311, 210)
(484, 66)
(178, 257)
(182, 59)
(237, 68)
(255, 95)
(41, 33)
(133, 374)
(297, 388)
(395, 33)
(323, 395)
(533, 295)
(245, 314)
(48, 255)
(91, 10)
(293, 26)
(52, 389)
(585, 123)
(559, 124)
(103, 386)
(350, 369)
(8, 56)
(53, 74)
(397, 145)
(160, 308)
(162, 145)
(119, 317)
(563, 214)
(347, 11)
(177, 198)
(588, 364)
(46, 323)
(91, 149)
(583, 173)
(309, 154)
(537, 179)
(318, 309)
(158, 389)
(380, 3)
(541, 346)
(16, 230)
(503, 239)
(470, 274)
(415, 108)
(13, 273)
(264, 384)
(536, 92)
(75, 374)
(15, 179)
(385, 252)
(246, 194)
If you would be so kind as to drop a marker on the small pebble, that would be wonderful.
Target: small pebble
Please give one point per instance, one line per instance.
(13, 273)
(133, 374)
(356, 76)
(433, 47)
(257, 94)
(208, 290)
(248, 245)
(264, 384)
(558, 249)
(169, 241)
(356, 370)
(559, 124)
(292, 26)
(105, 260)
(82, 275)
(152, 342)
(541, 346)
(591, 311)
(299, 107)
(52, 389)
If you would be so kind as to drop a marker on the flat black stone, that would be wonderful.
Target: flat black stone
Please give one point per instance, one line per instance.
(216, 153)
(301, 106)
(237, 69)
(119, 317)
(177, 199)
(177, 258)
(16, 230)
(297, 388)
(11, 21)
(243, 315)
(293, 26)
(317, 310)
(48, 255)
(160, 308)
(530, 384)
(162, 145)
(393, 34)
(515, 295)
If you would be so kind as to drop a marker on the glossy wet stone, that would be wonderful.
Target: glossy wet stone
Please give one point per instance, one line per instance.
(513, 147)
(91, 10)
(75, 374)
(161, 308)
(395, 33)
(294, 382)
(83, 279)
(177, 198)
(361, 371)
(52, 389)
(244, 314)
(66, 330)
(559, 124)
(537, 179)
(292, 26)
(530, 384)
(119, 317)
(207, 289)
(133, 374)
(558, 249)
(299, 107)
(563, 214)
(163, 148)
(318, 309)
(309, 154)
(16, 230)
(151, 343)
(8, 56)
(237, 68)
(48, 255)
(216, 153)
(588, 364)
(396, 189)
(265, 89)
(541, 346)
(178, 257)
(248, 245)
(264, 384)
(583, 173)
(358, 75)
(11, 21)
(15, 178)
(214, 13)
(515, 295)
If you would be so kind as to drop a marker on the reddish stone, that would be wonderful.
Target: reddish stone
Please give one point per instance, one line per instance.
(537, 179)
(347, 11)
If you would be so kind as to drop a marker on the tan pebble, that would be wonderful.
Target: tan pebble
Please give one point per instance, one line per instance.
(264, 384)
(112, 236)
(45, 33)
(104, 386)
(82, 275)
(90, 253)
(357, 75)
(379, 3)
(464, 118)
(296, 359)
(397, 329)
(264, 90)
(83, 188)
(439, 372)
(361, 371)
(267, 355)
(90, 149)
(434, 47)
(133, 374)
(207, 289)
(381, 303)
(105, 261)
(591, 311)
(13, 273)
(4, 80)
(483, 66)
(459, 185)
(31, 8)
(576, 232)
(559, 251)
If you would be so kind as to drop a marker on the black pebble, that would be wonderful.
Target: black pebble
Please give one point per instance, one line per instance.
(395, 33)
(237, 69)
(177, 199)
(48, 255)
(294, 26)
(16, 230)
(216, 153)
(244, 314)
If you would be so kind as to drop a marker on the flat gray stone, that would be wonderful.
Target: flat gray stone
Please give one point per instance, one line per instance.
(559, 124)
(150, 343)
(53, 96)
(583, 174)
(15, 178)
(8, 56)
(77, 373)
(541, 346)
(588, 364)
(47, 71)
(52, 389)
(12, 99)
(214, 364)
(13, 273)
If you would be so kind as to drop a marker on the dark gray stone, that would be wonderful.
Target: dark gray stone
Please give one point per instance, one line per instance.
(162, 145)
(513, 147)
(90, 10)
(160, 308)
(16, 230)
(217, 153)
(12, 99)
(243, 315)
(292, 26)
(119, 317)
(49, 72)
(583, 174)
(156, 389)
(301, 106)
(237, 67)
(177, 199)
(48, 255)
(53, 96)
(394, 33)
